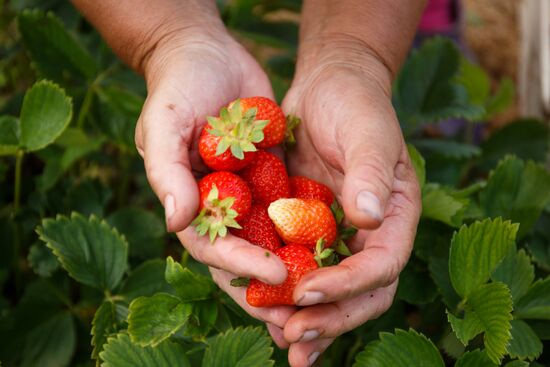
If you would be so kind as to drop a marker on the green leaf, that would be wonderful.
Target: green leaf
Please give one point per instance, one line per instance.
(525, 344)
(524, 138)
(426, 90)
(72, 137)
(58, 163)
(439, 204)
(516, 271)
(521, 364)
(451, 345)
(52, 344)
(248, 347)
(476, 250)
(502, 98)
(535, 304)
(121, 352)
(45, 113)
(103, 325)
(202, 319)
(448, 148)
(475, 358)
(88, 197)
(439, 271)
(117, 113)
(415, 285)
(189, 286)
(488, 308)
(541, 328)
(154, 319)
(53, 50)
(9, 135)
(92, 252)
(42, 260)
(418, 163)
(518, 191)
(467, 328)
(475, 80)
(143, 231)
(145, 280)
(398, 350)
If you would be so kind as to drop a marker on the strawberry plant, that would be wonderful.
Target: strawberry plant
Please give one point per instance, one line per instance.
(90, 277)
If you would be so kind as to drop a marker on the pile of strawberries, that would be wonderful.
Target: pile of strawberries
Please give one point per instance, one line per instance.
(251, 195)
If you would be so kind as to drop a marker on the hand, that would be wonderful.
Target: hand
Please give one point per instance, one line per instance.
(350, 140)
(191, 75)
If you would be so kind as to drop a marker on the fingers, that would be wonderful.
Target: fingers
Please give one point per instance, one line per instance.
(163, 135)
(371, 154)
(307, 353)
(333, 319)
(277, 335)
(276, 316)
(234, 255)
(385, 251)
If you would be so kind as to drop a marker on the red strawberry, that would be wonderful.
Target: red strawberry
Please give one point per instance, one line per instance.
(298, 261)
(224, 199)
(258, 229)
(306, 188)
(266, 109)
(236, 130)
(267, 178)
(303, 221)
(226, 161)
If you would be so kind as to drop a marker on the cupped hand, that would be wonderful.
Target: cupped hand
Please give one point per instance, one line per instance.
(191, 75)
(350, 140)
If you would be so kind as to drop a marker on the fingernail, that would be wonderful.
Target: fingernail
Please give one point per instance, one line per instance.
(313, 357)
(169, 208)
(369, 204)
(311, 298)
(309, 335)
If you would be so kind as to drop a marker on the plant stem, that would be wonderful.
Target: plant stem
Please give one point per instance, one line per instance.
(86, 104)
(17, 183)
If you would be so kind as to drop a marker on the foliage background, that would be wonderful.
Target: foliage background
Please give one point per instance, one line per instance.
(87, 270)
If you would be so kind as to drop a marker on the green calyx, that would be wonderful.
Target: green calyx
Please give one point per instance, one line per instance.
(344, 233)
(216, 216)
(324, 256)
(238, 131)
(291, 123)
(239, 282)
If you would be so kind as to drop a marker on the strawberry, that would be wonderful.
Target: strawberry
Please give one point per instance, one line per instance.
(303, 221)
(298, 261)
(267, 178)
(225, 161)
(224, 199)
(258, 229)
(227, 139)
(268, 110)
(306, 188)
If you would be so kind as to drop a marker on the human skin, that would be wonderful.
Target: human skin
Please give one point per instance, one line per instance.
(349, 139)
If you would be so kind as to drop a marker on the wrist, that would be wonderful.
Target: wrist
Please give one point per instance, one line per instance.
(384, 28)
(171, 34)
(136, 29)
(329, 53)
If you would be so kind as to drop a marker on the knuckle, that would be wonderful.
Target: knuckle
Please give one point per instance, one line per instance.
(392, 273)
(374, 168)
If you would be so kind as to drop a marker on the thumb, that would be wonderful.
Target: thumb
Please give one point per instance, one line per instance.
(370, 159)
(163, 137)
